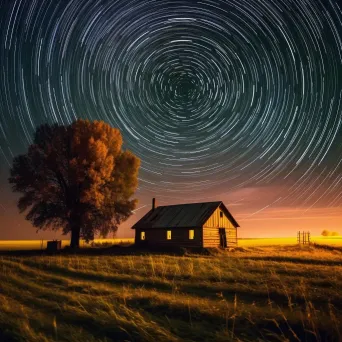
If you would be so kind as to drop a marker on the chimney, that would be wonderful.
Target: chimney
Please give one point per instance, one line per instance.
(153, 203)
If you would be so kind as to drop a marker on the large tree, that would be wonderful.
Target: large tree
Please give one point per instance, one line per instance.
(76, 178)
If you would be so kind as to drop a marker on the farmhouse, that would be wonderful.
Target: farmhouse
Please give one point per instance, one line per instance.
(208, 224)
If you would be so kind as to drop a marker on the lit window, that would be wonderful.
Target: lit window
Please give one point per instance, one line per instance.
(191, 234)
(168, 235)
(142, 236)
(221, 214)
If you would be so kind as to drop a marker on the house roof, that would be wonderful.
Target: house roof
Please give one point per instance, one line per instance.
(181, 215)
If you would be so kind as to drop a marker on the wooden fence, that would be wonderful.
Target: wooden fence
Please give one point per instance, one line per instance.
(303, 237)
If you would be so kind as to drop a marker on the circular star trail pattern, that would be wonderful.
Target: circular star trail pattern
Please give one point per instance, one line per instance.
(211, 95)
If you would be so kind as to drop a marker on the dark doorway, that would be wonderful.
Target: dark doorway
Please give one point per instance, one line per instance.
(223, 240)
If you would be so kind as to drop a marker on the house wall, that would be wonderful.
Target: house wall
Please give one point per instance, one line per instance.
(211, 236)
(179, 237)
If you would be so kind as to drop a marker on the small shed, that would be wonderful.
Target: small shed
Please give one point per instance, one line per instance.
(208, 224)
(54, 246)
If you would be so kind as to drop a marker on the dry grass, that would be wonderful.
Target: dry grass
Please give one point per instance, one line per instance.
(258, 293)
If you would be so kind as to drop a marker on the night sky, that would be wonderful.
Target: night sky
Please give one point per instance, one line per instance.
(239, 101)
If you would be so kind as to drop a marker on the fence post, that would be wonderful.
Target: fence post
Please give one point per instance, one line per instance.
(303, 237)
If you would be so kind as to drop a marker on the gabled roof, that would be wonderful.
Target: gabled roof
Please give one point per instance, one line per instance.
(181, 216)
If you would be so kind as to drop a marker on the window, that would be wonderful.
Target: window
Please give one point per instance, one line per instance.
(168, 235)
(142, 236)
(191, 234)
(221, 214)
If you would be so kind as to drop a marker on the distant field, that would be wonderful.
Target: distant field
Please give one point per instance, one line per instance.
(41, 244)
(248, 242)
(334, 241)
(284, 293)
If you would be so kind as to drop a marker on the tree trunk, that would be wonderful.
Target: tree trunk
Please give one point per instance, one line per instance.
(75, 237)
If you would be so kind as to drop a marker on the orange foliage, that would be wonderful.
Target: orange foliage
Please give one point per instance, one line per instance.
(81, 178)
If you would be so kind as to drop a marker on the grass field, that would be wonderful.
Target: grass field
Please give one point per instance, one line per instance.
(279, 293)
(41, 244)
(322, 240)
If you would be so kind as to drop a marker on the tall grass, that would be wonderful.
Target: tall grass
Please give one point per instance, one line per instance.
(266, 294)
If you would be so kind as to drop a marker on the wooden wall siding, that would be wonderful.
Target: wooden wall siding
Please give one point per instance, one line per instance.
(231, 236)
(179, 237)
(218, 222)
(211, 237)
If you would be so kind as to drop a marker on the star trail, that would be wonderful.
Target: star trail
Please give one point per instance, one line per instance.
(214, 96)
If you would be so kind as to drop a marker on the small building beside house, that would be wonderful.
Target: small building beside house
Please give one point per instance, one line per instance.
(54, 246)
(208, 224)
